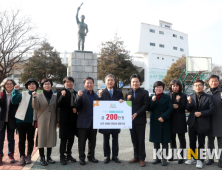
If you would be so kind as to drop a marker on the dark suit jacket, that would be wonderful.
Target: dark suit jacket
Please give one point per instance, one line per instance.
(85, 110)
(139, 105)
(206, 107)
(117, 95)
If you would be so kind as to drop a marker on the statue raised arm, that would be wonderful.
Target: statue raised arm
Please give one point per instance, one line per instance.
(82, 29)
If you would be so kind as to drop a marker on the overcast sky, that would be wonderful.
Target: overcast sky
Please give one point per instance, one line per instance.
(200, 19)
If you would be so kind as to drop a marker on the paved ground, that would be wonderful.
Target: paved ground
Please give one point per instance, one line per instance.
(125, 154)
(6, 164)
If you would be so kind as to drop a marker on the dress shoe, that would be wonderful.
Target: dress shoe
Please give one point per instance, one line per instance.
(156, 161)
(164, 162)
(63, 161)
(70, 158)
(82, 162)
(107, 160)
(93, 159)
(209, 161)
(116, 159)
(220, 164)
(180, 161)
(42, 161)
(50, 160)
(142, 163)
(134, 160)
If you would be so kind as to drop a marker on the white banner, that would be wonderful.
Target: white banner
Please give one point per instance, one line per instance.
(112, 115)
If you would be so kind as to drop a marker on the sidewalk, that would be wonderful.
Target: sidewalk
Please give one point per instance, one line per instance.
(125, 154)
(5, 160)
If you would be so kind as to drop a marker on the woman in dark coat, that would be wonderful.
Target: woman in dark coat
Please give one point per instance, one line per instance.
(67, 117)
(161, 108)
(178, 117)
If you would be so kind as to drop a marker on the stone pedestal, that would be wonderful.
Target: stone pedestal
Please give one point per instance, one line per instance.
(82, 64)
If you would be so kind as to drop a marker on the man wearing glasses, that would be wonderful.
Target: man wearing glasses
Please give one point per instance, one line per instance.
(201, 106)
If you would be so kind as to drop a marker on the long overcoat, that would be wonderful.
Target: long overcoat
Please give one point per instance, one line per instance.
(160, 132)
(46, 120)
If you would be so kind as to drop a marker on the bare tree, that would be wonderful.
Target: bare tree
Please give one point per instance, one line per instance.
(16, 38)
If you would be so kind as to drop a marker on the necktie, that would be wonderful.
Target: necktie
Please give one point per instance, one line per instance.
(111, 95)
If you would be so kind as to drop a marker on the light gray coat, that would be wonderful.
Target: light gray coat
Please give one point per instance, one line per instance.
(216, 118)
(46, 120)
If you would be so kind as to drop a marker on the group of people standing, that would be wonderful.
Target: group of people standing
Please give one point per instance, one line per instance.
(72, 112)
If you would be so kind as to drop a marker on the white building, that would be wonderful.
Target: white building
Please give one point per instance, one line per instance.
(159, 47)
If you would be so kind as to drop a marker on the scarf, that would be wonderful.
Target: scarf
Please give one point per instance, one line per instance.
(159, 96)
(213, 89)
(48, 94)
(72, 95)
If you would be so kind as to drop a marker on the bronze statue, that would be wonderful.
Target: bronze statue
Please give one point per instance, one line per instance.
(83, 29)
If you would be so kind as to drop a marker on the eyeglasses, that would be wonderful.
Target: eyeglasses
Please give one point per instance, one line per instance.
(199, 85)
(9, 84)
(47, 84)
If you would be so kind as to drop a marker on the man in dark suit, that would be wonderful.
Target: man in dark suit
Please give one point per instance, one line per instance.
(140, 101)
(84, 103)
(112, 94)
(201, 106)
(216, 119)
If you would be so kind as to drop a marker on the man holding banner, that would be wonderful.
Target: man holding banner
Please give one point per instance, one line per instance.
(140, 101)
(111, 94)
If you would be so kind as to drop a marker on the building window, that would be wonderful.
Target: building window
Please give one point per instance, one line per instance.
(181, 49)
(161, 32)
(158, 57)
(167, 26)
(174, 35)
(181, 37)
(175, 48)
(162, 58)
(152, 44)
(151, 30)
(161, 45)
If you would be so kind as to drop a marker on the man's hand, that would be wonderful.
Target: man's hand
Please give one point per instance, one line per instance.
(121, 100)
(58, 125)
(154, 98)
(221, 95)
(129, 97)
(178, 98)
(175, 106)
(134, 116)
(189, 99)
(161, 119)
(100, 93)
(63, 93)
(197, 114)
(34, 94)
(74, 110)
(80, 93)
(17, 87)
